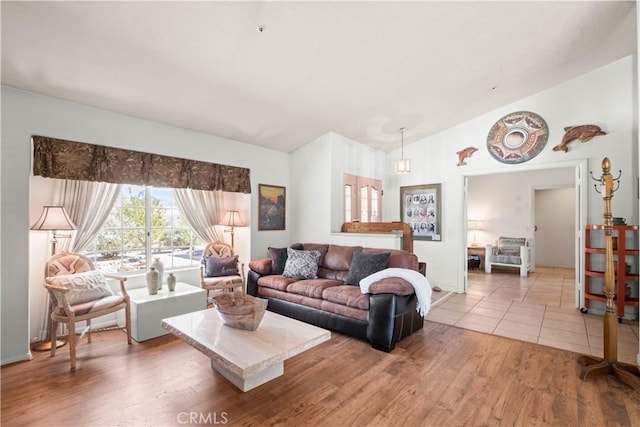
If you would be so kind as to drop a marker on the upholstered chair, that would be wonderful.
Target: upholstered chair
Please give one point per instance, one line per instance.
(79, 293)
(219, 268)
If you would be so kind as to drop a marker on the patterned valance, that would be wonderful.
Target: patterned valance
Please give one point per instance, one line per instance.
(58, 158)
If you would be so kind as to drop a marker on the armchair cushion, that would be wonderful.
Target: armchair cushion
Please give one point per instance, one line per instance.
(510, 245)
(221, 266)
(83, 287)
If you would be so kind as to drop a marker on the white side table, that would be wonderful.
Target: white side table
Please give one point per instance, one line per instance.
(147, 311)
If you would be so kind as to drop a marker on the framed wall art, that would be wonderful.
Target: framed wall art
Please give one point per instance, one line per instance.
(421, 207)
(271, 207)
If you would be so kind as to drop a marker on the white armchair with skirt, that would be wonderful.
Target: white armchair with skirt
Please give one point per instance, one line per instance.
(514, 252)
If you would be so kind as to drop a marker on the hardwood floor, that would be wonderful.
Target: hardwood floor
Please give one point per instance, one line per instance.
(441, 376)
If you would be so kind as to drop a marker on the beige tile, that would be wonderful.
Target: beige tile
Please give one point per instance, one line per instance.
(564, 345)
(516, 335)
(547, 296)
(444, 316)
(519, 318)
(524, 328)
(568, 317)
(564, 336)
(474, 321)
(564, 326)
(495, 303)
(482, 311)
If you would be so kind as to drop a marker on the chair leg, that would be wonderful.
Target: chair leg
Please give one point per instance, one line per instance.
(127, 315)
(53, 333)
(72, 343)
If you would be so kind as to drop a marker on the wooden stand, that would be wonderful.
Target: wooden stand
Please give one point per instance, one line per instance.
(626, 373)
(382, 227)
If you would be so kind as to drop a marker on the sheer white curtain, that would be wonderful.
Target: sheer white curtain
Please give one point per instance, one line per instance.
(202, 211)
(88, 205)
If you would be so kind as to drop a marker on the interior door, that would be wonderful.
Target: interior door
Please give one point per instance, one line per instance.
(555, 238)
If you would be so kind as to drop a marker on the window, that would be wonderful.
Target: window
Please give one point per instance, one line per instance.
(145, 223)
(367, 205)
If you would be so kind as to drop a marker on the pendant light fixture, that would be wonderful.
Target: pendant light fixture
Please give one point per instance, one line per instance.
(403, 165)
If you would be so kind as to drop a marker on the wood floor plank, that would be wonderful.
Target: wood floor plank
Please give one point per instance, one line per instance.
(441, 376)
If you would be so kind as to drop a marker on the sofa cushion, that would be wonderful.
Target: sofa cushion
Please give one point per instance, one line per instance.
(278, 259)
(276, 282)
(339, 257)
(83, 287)
(311, 287)
(510, 245)
(216, 266)
(347, 295)
(363, 265)
(288, 296)
(301, 264)
(398, 258)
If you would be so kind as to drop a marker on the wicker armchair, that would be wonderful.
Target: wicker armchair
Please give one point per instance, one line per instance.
(219, 268)
(78, 293)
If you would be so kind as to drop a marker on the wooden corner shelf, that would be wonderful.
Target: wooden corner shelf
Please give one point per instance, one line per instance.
(623, 256)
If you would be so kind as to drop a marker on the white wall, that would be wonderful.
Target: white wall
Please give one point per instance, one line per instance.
(605, 97)
(24, 114)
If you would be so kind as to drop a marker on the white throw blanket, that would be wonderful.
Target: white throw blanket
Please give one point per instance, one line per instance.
(417, 280)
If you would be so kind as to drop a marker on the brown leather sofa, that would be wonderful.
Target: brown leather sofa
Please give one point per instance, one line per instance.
(383, 316)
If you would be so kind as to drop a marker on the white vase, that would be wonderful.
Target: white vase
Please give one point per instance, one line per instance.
(171, 282)
(153, 278)
(159, 266)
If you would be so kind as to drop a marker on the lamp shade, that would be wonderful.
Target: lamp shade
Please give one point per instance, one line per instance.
(232, 219)
(53, 218)
(403, 166)
(474, 225)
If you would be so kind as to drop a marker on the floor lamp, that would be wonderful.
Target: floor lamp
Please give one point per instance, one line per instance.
(53, 219)
(232, 219)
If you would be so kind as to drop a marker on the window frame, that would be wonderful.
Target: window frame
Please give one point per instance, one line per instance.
(357, 184)
(173, 226)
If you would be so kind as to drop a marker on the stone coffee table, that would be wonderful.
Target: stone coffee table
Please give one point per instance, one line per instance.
(246, 358)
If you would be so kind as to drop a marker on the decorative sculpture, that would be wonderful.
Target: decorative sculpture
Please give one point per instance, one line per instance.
(609, 365)
(583, 133)
(462, 155)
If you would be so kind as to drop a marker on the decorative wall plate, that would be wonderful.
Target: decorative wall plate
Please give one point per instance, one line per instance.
(517, 137)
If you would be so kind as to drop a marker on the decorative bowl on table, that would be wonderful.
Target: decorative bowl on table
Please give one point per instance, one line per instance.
(239, 310)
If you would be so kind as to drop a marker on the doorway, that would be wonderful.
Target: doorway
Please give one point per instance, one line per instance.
(505, 203)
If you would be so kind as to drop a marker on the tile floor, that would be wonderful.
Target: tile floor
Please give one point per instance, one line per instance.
(538, 308)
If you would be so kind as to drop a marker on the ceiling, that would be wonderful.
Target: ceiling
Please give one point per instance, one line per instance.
(361, 69)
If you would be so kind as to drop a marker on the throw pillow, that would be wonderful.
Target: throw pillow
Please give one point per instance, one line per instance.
(365, 264)
(221, 266)
(301, 264)
(278, 259)
(83, 287)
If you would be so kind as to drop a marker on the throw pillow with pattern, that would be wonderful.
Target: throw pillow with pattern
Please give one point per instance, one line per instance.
(301, 264)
